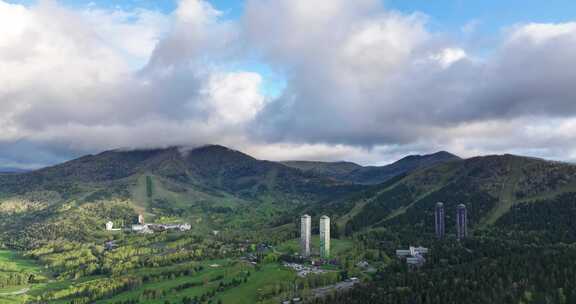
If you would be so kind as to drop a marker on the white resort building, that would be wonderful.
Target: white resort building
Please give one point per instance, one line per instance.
(110, 226)
(150, 228)
(305, 234)
(325, 237)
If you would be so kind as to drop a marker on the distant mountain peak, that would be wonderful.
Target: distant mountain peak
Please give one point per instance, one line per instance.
(218, 151)
(445, 153)
(314, 162)
(214, 148)
(351, 172)
(439, 154)
(184, 150)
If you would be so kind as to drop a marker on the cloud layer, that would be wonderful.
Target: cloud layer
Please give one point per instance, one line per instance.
(362, 83)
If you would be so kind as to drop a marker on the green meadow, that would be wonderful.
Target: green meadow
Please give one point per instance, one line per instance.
(11, 263)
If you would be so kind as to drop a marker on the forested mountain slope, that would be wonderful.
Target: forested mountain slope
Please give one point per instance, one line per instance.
(504, 191)
(336, 170)
(370, 175)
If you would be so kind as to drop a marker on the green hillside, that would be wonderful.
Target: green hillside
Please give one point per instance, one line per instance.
(337, 170)
(494, 188)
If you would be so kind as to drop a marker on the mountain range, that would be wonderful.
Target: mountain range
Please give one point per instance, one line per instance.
(215, 186)
(214, 170)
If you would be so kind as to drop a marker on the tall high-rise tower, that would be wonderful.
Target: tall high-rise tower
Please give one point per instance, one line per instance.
(461, 221)
(439, 217)
(325, 237)
(305, 232)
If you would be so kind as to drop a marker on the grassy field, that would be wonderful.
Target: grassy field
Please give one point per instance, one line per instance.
(245, 293)
(266, 278)
(11, 261)
(13, 258)
(21, 294)
(204, 276)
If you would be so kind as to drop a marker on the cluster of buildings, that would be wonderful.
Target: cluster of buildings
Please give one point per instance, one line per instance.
(461, 221)
(151, 228)
(306, 234)
(303, 270)
(142, 227)
(414, 256)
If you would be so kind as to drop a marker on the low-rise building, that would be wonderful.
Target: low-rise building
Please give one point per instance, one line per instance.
(402, 253)
(141, 229)
(413, 256)
(185, 227)
(110, 226)
(417, 260)
(151, 228)
(418, 250)
(304, 270)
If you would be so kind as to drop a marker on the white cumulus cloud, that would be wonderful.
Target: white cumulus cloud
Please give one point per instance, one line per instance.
(362, 82)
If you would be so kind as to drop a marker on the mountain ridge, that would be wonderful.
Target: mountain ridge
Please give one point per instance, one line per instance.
(211, 165)
(370, 175)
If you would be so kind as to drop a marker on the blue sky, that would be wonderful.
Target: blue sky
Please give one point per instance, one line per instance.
(492, 15)
(446, 15)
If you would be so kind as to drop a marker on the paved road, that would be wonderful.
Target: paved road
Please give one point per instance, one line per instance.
(324, 291)
(16, 293)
